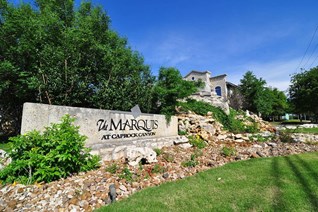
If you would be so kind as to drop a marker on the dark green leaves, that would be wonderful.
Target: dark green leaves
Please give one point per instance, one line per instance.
(56, 153)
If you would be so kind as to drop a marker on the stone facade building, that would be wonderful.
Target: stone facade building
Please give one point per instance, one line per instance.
(216, 90)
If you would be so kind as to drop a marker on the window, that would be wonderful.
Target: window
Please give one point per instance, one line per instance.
(218, 91)
(192, 78)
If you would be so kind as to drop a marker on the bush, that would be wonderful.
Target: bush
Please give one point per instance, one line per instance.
(126, 174)
(112, 168)
(197, 141)
(286, 137)
(192, 162)
(181, 132)
(157, 151)
(57, 153)
(228, 151)
(157, 169)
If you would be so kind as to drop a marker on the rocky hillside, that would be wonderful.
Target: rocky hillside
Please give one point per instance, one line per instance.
(206, 145)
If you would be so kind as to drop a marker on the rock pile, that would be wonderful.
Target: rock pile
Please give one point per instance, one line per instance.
(91, 190)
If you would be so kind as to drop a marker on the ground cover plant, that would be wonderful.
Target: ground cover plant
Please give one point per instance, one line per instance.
(267, 184)
(230, 122)
(56, 153)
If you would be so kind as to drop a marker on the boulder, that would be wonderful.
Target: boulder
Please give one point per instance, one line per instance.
(136, 154)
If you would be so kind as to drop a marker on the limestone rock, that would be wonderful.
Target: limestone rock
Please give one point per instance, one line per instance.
(136, 154)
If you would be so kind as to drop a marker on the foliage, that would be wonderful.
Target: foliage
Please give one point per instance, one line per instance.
(157, 168)
(287, 184)
(229, 122)
(303, 92)
(228, 151)
(286, 137)
(169, 88)
(54, 53)
(157, 151)
(126, 174)
(197, 141)
(5, 146)
(181, 132)
(112, 168)
(260, 138)
(260, 99)
(57, 153)
(190, 163)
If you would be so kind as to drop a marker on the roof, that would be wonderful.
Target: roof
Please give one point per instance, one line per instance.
(219, 76)
(197, 72)
(231, 84)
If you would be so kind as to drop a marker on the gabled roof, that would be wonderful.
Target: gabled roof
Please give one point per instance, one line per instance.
(197, 72)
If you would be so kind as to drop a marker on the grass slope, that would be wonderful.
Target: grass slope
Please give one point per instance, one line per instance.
(266, 184)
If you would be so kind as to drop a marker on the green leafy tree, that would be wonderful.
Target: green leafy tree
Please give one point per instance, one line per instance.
(303, 92)
(55, 54)
(280, 104)
(252, 90)
(259, 98)
(170, 87)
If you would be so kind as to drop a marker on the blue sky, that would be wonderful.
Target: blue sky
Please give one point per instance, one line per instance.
(268, 37)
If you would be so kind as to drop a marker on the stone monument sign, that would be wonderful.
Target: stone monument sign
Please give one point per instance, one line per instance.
(105, 129)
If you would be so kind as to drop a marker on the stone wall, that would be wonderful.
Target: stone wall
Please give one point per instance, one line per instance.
(105, 129)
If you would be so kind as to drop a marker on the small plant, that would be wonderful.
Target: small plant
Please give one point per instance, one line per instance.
(126, 174)
(168, 157)
(197, 141)
(286, 137)
(197, 153)
(112, 168)
(228, 151)
(192, 162)
(157, 169)
(181, 132)
(157, 151)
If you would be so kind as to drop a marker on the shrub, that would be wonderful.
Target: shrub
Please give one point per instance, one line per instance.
(112, 168)
(197, 141)
(157, 169)
(228, 151)
(57, 153)
(158, 151)
(181, 132)
(190, 163)
(126, 174)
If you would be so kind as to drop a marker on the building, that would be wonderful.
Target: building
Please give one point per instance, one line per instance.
(216, 85)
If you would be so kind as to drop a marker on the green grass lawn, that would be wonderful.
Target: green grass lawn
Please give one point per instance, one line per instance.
(266, 184)
(303, 130)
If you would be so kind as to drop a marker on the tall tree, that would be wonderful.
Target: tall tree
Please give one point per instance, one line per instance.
(55, 54)
(252, 90)
(170, 87)
(303, 92)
